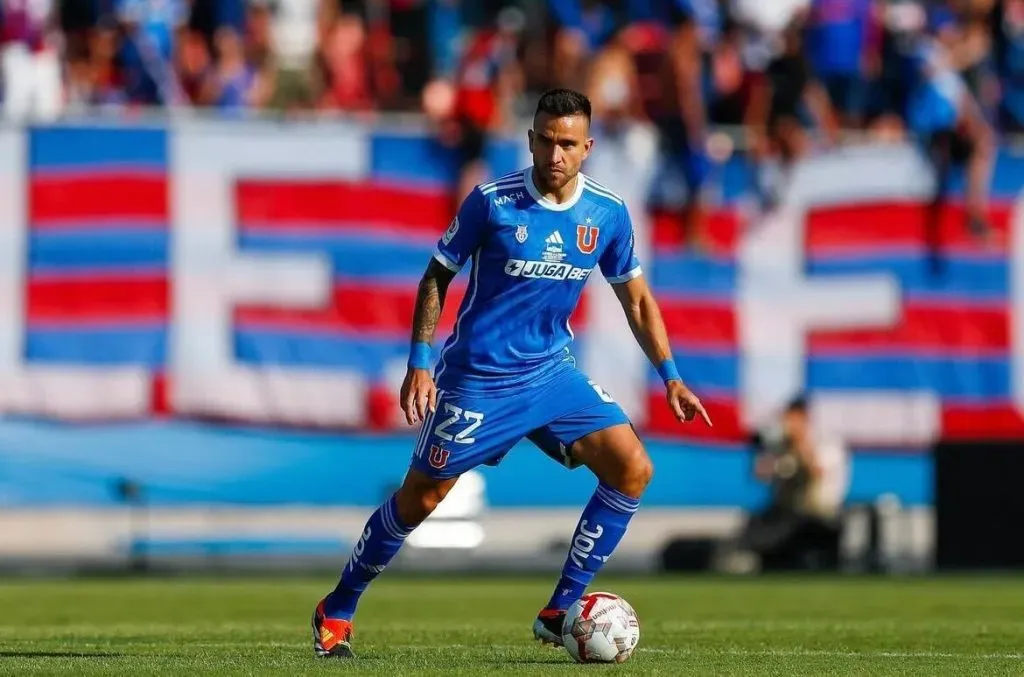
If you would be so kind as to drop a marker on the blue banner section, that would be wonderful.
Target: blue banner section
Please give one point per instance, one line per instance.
(44, 464)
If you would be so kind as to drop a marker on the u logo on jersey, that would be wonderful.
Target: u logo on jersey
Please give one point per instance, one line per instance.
(438, 457)
(586, 238)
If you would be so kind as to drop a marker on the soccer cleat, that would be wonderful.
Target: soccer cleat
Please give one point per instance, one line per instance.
(548, 626)
(331, 636)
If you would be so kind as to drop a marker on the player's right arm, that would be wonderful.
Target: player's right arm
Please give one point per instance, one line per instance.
(456, 246)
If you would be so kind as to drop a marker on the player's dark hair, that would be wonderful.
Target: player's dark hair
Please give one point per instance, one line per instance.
(562, 102)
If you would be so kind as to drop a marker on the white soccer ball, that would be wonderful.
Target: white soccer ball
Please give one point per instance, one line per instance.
(600, 628)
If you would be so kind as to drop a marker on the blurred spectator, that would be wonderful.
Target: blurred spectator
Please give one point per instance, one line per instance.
(343, 64)
(151, 29)
(674, 42)
(233, 83)
(487, 82)
(409, 34)
(1009, 57)
(839, 48)
(583, 28)
(900, 22)
(194, 64)
(965, 30)
(613, 86)
(952, 126)
(777, 113)
(445, 37)
(94, 74)
(809, 475)
(29, 60)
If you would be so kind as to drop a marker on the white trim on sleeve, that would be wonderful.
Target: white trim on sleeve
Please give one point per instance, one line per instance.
(626, 277)
(440, 257)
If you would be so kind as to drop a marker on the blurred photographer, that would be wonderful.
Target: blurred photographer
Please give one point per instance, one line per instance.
(809, 478)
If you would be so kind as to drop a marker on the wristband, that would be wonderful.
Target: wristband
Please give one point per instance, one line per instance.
(419, 355)
(668, 372)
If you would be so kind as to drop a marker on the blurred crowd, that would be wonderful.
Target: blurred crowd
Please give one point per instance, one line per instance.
(789, 73)
(366, 55)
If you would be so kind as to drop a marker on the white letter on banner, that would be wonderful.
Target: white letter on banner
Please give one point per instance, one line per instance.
(60, 391)
(778, 305)
(210, 275)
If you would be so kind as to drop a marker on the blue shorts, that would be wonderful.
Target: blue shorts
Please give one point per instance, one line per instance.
(469, 429)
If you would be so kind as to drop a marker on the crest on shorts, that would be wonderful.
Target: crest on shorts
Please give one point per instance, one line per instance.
(438, 457)
(521, 234)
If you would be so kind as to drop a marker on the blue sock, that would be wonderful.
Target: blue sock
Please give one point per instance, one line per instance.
(599, 531)
(382, 537)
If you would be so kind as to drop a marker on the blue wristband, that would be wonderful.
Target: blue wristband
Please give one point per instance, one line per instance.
(419, 355)
(668, 372)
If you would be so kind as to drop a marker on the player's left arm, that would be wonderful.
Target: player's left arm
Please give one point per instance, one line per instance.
(621, 268)
(647, 326)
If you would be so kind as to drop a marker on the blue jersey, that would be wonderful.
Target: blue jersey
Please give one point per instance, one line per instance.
(530, 259)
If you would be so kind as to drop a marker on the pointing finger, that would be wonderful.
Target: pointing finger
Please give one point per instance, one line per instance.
(703, 413)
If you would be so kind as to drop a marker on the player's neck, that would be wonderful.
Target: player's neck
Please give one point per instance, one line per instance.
(563, 194)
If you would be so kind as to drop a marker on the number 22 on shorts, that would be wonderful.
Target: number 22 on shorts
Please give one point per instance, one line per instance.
(457, 414)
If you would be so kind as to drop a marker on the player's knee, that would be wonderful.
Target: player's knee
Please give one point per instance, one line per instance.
(416, 500)
(636, 474)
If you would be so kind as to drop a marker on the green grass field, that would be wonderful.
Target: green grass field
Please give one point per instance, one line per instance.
(420, 626)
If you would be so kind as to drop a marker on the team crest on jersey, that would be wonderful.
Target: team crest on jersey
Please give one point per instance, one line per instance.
(554, 248)
(586, 238)
(521, 234)
(450, 233)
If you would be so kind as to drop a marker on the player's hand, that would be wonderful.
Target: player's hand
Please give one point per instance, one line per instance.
(419, 395)
(685, 404)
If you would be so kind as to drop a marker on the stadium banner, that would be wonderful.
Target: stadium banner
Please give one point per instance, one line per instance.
(266, 272)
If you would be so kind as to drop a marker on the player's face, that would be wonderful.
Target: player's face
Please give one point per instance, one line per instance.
(559, 146)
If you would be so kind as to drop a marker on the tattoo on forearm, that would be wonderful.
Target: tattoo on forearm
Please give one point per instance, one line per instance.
(430, 301)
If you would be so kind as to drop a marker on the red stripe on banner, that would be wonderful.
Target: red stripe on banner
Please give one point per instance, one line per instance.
(699, 322)
(926, 327)
(371, 308)
(355, 306)
(66, 199)
(722, 228)
(724, 415)
(893, 224)
(982, 421)
(107, 297)
(337, 205)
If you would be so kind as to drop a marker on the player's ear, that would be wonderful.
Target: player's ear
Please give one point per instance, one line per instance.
(529, 136)
(588, 145)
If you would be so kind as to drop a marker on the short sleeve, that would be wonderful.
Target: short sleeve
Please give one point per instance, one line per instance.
(464, 234)
(619, 262)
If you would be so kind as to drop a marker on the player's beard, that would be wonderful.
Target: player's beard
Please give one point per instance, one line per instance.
(557, 180)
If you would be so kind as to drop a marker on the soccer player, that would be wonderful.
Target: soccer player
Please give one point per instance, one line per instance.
(532, 238)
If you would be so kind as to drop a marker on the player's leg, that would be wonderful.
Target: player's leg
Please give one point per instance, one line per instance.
(623, 469)
(592, 431)
(452, 441)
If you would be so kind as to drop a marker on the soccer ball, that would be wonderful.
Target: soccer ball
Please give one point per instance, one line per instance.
(600, 628)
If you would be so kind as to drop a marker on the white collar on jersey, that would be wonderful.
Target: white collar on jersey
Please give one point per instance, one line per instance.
(544, 202)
